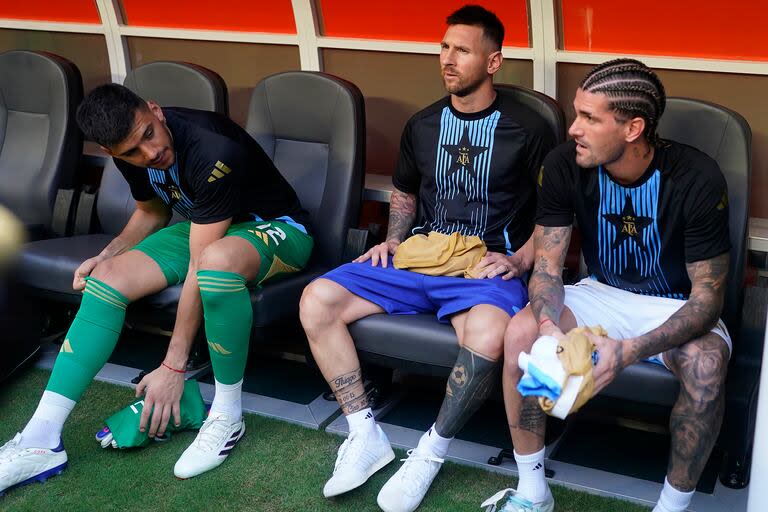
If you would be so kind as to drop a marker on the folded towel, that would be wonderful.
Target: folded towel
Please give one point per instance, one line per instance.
(560, 372)
(437, 254)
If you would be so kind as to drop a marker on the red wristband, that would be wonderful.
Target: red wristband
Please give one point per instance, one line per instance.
(545, 319)
(172, 369)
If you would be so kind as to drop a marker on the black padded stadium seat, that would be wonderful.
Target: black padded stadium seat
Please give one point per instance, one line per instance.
(418, 342)
(312, 126)
(726, 137)
(40, 143)
(48, 265)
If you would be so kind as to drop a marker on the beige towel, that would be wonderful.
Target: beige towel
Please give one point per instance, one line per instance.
(437, 254)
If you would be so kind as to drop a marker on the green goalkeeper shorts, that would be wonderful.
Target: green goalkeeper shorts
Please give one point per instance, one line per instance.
(284, 248)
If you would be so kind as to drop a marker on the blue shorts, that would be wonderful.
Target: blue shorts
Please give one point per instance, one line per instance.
(402, 292)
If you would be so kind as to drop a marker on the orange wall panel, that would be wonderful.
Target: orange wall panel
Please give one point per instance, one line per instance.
(240, 15)
(687, 28)
(73, 11)
(414, 20)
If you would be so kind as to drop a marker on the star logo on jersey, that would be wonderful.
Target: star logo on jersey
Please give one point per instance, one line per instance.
(463, 154)
(628, 225)
(171, 190)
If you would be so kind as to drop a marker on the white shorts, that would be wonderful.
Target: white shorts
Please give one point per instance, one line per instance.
(625, 314)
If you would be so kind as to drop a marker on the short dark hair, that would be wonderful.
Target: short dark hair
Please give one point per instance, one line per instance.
(633, 90)
(479, 16)
(107, 114)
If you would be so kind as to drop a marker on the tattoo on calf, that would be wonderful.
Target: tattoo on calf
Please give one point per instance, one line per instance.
(698, 413)
(471, 381)
(532, 418)
(349, 391)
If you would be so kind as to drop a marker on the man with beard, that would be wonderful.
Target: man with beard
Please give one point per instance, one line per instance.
(653, 216)
(471, 159)
(244, 225)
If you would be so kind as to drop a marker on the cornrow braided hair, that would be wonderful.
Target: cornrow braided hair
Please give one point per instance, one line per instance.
(633, 90)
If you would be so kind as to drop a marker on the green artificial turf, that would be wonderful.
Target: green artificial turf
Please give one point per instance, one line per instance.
(276, 467)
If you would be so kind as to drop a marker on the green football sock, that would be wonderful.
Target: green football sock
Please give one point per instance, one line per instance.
(90, 340)
(228, 319)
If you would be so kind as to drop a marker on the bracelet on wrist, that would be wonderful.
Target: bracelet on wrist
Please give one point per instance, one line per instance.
(172, 368)
(544, 320)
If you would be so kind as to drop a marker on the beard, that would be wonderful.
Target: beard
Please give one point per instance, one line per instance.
(462, 87)
(591, 160)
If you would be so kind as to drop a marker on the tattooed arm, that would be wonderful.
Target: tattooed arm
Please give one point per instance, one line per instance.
(697, 317)
(402, 214)
(546, 285)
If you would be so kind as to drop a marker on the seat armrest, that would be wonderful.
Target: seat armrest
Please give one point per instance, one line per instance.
(63, 208)
(357, 244)
(86, 206)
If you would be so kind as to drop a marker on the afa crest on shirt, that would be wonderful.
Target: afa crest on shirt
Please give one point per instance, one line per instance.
(628, 224)
(463, 154)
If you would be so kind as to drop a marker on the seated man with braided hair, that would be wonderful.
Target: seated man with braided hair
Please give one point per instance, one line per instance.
(244, 225)
(654, 221)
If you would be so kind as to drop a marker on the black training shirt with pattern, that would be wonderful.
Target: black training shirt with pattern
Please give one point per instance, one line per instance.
(219, 172)
(475, 173)
(639, 237)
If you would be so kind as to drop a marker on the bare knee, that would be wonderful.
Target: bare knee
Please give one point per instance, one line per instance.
(519, 336)
(225, 256)
(111, 274)
(213, 258)
(319, 306)
(484, 337)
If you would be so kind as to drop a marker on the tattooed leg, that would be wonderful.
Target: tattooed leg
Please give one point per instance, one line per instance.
(325, 311)
(471, 381)
(476, 371)
(701, 366)
(349, 391)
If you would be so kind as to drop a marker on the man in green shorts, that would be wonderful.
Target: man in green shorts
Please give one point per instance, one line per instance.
(244, 226)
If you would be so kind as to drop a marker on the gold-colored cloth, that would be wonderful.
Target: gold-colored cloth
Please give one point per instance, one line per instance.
(575, 354)
(437, 254)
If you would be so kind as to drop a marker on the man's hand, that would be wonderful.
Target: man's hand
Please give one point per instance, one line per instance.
(84, 270)
(610, 360)
(494, 264)
(162, 389)
(379, 253)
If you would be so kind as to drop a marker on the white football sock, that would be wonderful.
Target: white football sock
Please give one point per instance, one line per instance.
(44, 428)
(228, 400)
(361, 421)
(532, 484)
(436, 443)
(672, 500)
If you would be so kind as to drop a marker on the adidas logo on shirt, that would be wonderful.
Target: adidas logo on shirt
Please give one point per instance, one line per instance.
(219, 171)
